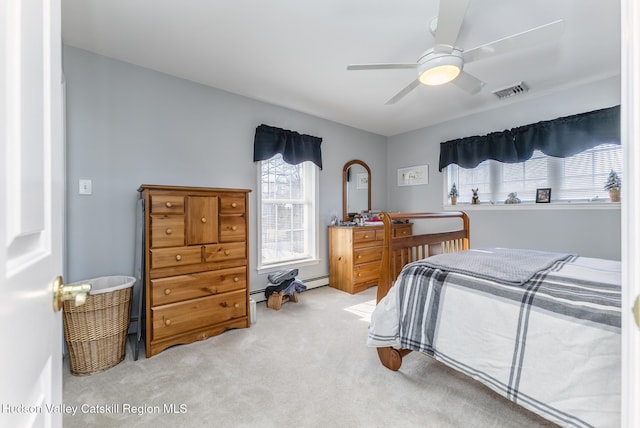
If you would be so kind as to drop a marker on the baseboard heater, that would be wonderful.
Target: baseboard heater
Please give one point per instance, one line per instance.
(258, 295)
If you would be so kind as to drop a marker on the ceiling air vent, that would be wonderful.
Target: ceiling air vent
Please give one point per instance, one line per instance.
(509, 91)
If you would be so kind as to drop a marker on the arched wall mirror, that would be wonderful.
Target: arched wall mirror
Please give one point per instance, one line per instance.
(356, 189)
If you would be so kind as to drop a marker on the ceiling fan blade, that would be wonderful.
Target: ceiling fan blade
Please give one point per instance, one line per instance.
(535, 36)
(468, 83)
(400, 95)
(450, 17)
(380, 66)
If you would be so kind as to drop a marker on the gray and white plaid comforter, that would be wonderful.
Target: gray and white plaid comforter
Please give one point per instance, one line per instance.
(551, 344)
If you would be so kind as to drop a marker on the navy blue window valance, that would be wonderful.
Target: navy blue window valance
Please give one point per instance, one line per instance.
(294, 147)
(562, 137)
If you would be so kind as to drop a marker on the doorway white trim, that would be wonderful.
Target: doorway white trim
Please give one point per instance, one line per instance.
(630, 136)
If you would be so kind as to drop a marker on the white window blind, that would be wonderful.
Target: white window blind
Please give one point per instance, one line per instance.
(577, 178)
(287, 212)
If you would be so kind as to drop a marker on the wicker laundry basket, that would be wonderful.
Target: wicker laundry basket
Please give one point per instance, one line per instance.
(96, 332)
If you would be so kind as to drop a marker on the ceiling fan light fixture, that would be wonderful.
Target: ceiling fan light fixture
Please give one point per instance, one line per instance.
(439, 75)
(440, 68)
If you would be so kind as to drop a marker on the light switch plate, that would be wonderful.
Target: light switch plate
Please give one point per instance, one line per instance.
(84, 187)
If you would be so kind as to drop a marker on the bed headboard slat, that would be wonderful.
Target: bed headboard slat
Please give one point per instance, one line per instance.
(397, 252)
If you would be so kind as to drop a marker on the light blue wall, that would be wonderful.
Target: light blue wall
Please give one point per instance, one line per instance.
(592, 233)
(128, 126)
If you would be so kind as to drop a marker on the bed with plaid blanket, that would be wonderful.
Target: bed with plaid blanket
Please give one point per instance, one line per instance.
(550, 344)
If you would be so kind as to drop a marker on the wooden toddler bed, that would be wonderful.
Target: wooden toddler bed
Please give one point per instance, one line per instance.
(541, 329)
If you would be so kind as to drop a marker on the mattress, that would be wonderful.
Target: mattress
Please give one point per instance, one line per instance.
(550, 344)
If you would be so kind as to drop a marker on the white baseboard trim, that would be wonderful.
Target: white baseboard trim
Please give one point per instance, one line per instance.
(258, 295)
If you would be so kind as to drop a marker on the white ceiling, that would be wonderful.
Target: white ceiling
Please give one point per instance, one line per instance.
(294, 53)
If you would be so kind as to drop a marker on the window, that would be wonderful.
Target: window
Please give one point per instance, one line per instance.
(579, 178)
(287, 215)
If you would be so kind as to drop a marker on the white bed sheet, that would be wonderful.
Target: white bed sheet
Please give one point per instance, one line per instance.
(537, 354)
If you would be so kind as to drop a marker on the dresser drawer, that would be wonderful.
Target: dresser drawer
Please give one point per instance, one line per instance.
(176, 318)
(231, 204)
(167, 204)
(366, 272)
(202, 220)
(222, 252)
(232, 228)
(402, 230)
(367, 255)
(193, 286)
(167, 231)
(367, 236)
(175, 256)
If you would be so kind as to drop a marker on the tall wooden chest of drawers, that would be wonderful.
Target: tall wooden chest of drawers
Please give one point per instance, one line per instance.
(196, 263)
(355, 255)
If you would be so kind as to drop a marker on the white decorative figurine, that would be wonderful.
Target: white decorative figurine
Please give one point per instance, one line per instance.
(512, 198)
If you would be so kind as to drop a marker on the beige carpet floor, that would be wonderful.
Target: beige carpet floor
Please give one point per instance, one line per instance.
(306, 365)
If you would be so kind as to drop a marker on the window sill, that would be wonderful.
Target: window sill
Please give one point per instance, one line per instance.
(533, 206)
(287, 265)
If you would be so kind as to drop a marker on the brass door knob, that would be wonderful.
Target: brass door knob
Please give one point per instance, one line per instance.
(61, 292)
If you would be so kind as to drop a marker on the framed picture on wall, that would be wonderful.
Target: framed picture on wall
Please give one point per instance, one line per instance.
(543, 195)
(413, 176)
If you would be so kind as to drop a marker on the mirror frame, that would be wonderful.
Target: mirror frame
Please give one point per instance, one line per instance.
(344, 187)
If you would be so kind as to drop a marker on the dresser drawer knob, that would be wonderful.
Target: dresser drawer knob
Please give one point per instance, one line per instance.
(234, 228)
(203, 219)
(404, 232)
(234, 205)
(178, 257)
(169, 231)
(236, 279)
(237, 305)
(366, 236)
(167, 291)
(359, 256)
(227, 252)
(168, 204)
(167, 322)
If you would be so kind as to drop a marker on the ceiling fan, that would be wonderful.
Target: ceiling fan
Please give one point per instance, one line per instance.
(444, 63)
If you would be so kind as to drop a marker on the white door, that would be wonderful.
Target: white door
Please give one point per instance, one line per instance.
(31, 212)
(630, 20)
